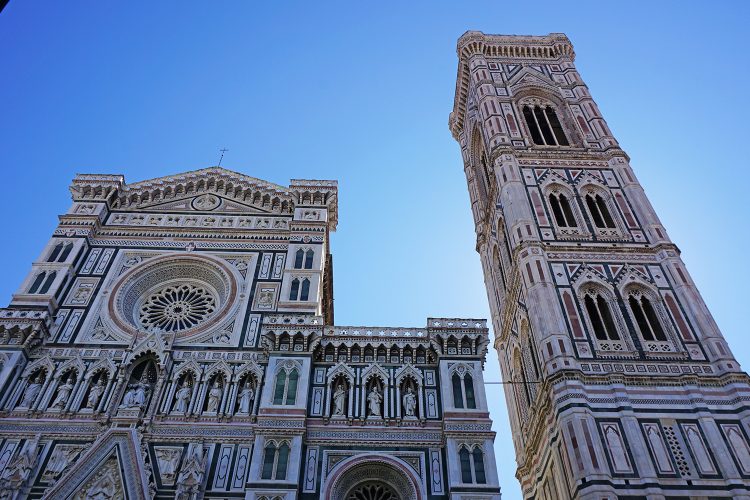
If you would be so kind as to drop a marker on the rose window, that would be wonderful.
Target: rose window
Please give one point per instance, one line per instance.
(373, 491)
(177, 307)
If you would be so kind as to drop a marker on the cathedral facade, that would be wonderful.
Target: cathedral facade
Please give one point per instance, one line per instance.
(618, 381)
(175, 339)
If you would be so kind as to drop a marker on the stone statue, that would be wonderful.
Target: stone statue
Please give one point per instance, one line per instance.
(374, 399)
(168, 459)
(136, 395)
(95, 393)
(182, 399)
(246, 395)
(63, 394)
(30, 394)
(339, 401)
(191, 476)
(18, 470)
(214, 397)
(62, 456)
(410, 403)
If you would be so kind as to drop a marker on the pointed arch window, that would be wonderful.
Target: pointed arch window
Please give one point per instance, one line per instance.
(275, 461)
(463, 391)
(600, 315)
(305, 290)
(37, 282)
(472, 465)
(65, 252)
(646, 317)
(599, 211)
(294, 290)
(285, 388)
(309, 255)
(544, 125)
(48, 282)
(55, 253)
(298, 258)
(562, 210)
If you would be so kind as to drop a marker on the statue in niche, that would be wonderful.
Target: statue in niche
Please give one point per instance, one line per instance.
(135, 397)
(374, 400)
(246, 396)
(339, 401)
(63, 394)
(95, 394)
(182, 398)
(31, 392)
(214, 397)
(410, 403)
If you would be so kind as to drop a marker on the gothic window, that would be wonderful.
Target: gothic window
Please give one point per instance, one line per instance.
(458, 398)
(544, 126)
(309, 259)
(56, 253)
(65, 252)
(37, 282)
(48, 282)
(285, 389)
(562, 210)
(465, 457)
(463, 390)
(298, 258)
(472, 465)
(520, 391)
(294, 290)
(275, 461)
(305, 290)
(646, 317)
(600, 315)
(599, 211)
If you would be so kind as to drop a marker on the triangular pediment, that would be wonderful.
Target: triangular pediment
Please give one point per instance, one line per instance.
(530, 77)
(113, 467)
(210, 189)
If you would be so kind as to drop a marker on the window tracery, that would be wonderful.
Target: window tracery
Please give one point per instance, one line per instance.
(471, 459)
(542, 121)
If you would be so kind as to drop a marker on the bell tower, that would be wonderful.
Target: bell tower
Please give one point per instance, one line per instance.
(618, 381)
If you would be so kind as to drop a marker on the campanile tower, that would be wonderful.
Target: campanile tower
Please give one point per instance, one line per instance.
(618, 381)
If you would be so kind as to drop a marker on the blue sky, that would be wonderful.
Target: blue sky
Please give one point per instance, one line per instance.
(361, 92)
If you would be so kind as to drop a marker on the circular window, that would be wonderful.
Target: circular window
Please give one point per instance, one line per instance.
(185, 294)
(177, 307)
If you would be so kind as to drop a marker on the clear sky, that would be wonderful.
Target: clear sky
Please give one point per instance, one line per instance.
(360, 92)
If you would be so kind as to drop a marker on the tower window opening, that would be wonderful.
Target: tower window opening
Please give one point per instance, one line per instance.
(646, 318)
(561, 210)
(599, 211)
(601, 317)
(544, 126)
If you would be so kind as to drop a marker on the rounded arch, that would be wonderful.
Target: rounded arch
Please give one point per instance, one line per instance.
(373, 469)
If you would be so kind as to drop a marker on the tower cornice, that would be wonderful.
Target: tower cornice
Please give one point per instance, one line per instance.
(509, 47)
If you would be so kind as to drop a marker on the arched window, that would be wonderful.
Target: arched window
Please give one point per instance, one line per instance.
(65, 253)
(458, 398)
(465, 458)
(561, 210)
(478, 457)
(285, 389)
(298, 257)
(472, 465)
(309, 259)
(305, 292)
(275, 461)
(469, 392)
(55, 253)
(294, 290)
(600, 316)
(37, 282)
(463, 390)
(48, 282)
(599, 211)
(646, 317)
(544, 126)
